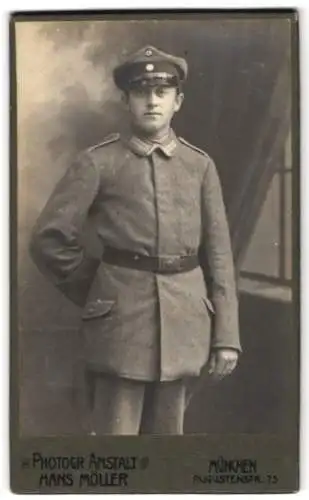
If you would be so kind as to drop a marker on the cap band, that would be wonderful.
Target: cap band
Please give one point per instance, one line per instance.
(153, 79)
(164, 72)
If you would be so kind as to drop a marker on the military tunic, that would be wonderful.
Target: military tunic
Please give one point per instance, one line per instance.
(155, 199)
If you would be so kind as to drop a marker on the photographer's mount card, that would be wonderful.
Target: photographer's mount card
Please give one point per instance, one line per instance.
(155, 252)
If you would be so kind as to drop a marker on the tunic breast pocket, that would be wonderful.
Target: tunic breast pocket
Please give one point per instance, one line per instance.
(98, 309)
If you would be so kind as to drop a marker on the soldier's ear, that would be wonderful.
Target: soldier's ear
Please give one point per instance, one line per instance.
(178, 101)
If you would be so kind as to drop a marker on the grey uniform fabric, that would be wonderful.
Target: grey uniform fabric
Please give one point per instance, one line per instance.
(123, 406)
(156, 199)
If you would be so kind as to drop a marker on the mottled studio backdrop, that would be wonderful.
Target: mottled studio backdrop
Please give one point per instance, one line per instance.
(237, 108)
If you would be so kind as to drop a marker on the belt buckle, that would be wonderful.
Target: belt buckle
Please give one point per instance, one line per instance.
(169, 264)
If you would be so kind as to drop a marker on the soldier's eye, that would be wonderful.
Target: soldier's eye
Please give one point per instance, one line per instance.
(138, 92)
(160, 92)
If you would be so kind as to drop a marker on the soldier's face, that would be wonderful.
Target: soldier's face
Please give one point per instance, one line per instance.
(152, 108)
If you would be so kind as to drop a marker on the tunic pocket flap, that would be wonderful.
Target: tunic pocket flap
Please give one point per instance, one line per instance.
(209, 305)
(97, 308)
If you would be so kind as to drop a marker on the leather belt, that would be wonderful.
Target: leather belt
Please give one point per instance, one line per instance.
(167, 264)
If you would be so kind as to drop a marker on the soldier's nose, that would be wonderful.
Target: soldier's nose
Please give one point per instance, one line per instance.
(151, 99)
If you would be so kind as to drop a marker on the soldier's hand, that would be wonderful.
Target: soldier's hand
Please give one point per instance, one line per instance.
(222, 362)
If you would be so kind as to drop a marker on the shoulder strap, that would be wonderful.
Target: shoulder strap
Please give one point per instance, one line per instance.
(193, 147)
(108, 140)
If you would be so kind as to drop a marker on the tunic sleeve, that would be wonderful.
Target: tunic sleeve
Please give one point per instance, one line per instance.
(55, 241)
(217, 262)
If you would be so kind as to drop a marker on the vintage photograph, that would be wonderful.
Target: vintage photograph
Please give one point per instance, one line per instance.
(157, 225)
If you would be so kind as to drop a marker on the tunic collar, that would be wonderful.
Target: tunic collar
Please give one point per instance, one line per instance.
(144, 147)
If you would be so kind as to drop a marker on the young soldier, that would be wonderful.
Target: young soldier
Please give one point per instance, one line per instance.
(166, 274)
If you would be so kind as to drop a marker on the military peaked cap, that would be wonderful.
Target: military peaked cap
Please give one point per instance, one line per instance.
(150, 66)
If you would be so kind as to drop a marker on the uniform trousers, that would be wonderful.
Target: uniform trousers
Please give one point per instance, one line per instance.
(122, 406)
